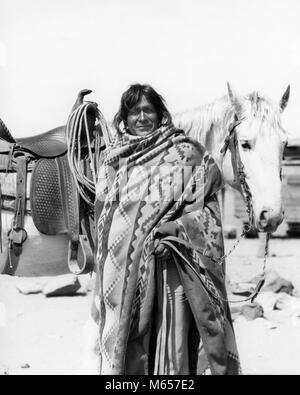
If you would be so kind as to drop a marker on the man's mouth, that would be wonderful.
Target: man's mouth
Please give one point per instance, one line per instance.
(143, 126)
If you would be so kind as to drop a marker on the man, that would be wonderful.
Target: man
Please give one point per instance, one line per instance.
(160, 298)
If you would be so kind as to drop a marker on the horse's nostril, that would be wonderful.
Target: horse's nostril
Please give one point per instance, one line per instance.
(263, 218)
(267, 221)
(263, 215)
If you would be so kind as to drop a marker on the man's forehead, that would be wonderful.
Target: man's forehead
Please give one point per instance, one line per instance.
(143, 102)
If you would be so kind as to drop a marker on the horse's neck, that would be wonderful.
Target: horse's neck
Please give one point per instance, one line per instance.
(208, 125)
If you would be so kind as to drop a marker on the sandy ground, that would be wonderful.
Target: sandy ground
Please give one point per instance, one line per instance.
(40, 335)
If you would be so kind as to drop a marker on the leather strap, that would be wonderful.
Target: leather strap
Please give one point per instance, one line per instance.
(18, 234)
(80, 252)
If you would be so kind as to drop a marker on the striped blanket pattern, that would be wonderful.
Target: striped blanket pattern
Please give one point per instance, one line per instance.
(144, 183)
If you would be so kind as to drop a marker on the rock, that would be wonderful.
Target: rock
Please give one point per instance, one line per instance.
(252, 311)
(229, 232)
(65, 285)
(267, 300)
(287, 302)
(275, 283)
(27, 288)
(25, 366)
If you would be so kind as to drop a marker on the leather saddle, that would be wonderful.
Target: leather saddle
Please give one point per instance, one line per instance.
(55, 204)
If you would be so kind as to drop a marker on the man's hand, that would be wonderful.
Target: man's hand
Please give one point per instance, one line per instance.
(160, 250)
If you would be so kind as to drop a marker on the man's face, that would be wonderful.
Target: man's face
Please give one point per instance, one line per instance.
(142, 118)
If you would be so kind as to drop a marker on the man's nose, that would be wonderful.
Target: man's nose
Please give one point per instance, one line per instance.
(142, 116)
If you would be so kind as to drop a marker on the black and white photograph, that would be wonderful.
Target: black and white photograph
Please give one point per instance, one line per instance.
(150, 190)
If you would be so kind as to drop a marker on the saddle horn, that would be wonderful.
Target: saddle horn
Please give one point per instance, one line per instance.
(80, 98)
(91, 116)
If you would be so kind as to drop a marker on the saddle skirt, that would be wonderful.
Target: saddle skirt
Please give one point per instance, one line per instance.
(54, 197)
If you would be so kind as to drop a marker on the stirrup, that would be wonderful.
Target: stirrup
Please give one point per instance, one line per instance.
(87, 264)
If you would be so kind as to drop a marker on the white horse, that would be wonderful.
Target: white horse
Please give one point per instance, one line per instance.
(260, 143)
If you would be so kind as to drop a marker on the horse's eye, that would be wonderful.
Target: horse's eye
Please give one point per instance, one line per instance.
(245, 145)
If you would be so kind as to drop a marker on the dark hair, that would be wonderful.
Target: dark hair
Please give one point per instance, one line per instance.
(132, 96)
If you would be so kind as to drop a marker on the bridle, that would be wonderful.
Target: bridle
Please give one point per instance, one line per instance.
(231, 143)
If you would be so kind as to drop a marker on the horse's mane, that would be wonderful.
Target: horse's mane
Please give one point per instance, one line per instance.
(211, 121)
(257, 106)
(208, 122)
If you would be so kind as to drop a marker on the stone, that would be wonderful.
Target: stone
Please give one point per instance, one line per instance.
(28, 288)
(267, 300)
(65, 285)
(252, 311)
(275, 283)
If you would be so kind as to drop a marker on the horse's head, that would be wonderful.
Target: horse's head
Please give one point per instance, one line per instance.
(260, 140)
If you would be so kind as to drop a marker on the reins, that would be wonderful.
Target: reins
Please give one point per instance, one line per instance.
(238, 168)
(170, 242)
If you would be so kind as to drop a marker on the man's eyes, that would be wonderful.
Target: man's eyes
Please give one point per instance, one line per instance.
(138, 111)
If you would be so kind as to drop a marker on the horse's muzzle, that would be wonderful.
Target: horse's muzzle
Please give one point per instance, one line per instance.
(268, 221)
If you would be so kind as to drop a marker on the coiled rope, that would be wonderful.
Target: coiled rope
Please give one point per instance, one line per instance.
(77, 132)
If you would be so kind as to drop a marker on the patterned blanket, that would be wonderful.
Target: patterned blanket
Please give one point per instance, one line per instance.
(165, 183)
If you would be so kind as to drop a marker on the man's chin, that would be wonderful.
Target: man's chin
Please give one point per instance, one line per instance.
(143, 131)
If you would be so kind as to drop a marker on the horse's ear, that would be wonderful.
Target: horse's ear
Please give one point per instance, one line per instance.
(285, 98)
(234, 100)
